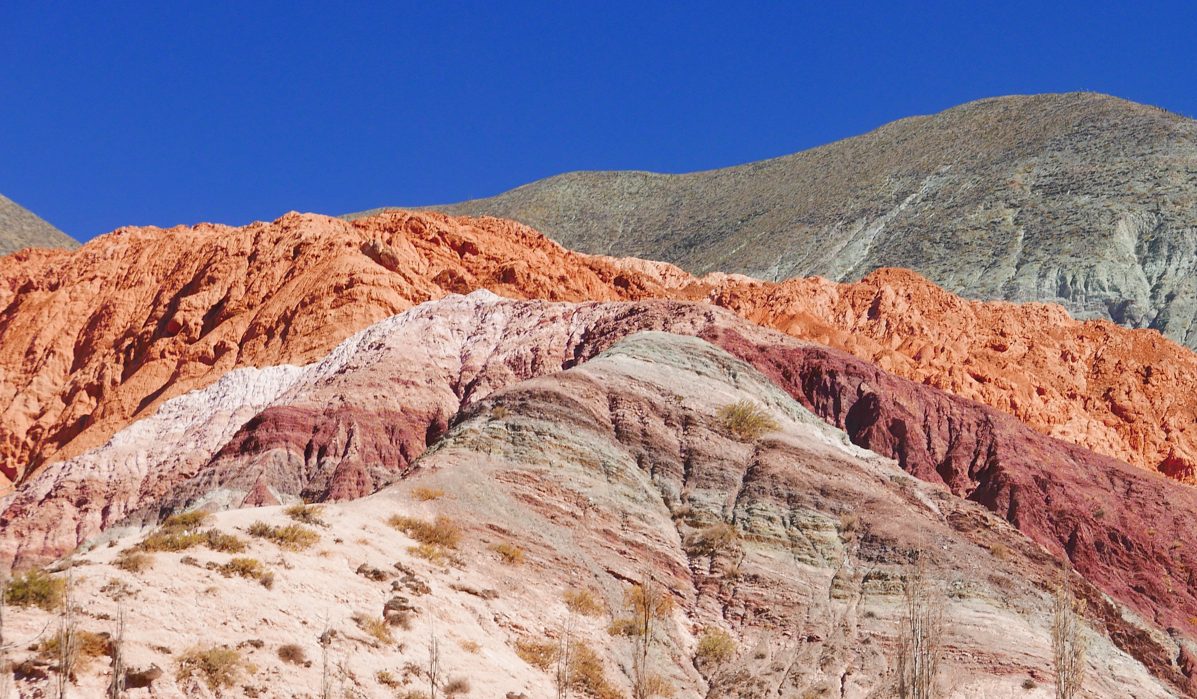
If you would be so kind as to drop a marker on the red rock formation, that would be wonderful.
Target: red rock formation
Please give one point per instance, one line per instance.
(93, 339)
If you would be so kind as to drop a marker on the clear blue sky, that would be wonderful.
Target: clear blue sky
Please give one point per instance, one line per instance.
(115, 113)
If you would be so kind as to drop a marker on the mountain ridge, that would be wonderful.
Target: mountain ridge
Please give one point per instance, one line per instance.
(20, 228)
(1081, 199)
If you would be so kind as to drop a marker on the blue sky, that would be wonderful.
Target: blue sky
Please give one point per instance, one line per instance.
(129, 113)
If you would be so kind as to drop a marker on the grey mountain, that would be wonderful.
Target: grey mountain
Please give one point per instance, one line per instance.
(21, 228)
(1081, 199)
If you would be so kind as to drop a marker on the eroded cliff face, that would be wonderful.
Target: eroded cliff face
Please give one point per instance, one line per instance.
(92, 340)
(793, 542)
(362, 417)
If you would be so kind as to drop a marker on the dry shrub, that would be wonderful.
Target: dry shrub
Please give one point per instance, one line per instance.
(427, 494)
(36, 588)
(186, 520)
(292, 653)
(376, 627)
(746, 420)
(85, 645)
(658, 686)
(171, 540)
(250, 568)
(715, 647)
(225, 543)
(511, 554)
(292, 537)
(306, 514)
(539, 654)
(645, 605)
(434, 554)
(456, 687)
(387, 679)
(217, 667)
(471, 647)
(584, 602)
(586, 672)
(133, 561)
(588, 676)
(442, 531)
(712, 540)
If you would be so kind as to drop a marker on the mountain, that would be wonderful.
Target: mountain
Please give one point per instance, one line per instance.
(784, 461)
(1080, 199)
(93, 340)
(792, 542)
(21, 228)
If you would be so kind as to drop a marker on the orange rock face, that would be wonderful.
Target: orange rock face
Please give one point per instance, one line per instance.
(93, 339)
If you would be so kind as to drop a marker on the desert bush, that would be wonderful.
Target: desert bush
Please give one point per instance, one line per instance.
(510, 553)
(715, 647)
(292, 537)
(133, 561)
(171, 540)
(471, 647)
(225, 543)
(587, 675)
(442, 531)
(584, 602)
(216, 666)
(376, 627)
(434, 554)
(292, 653)
(250, 568)
(427, 494)
(306, 514)
(539, 654)
(387, 679)
(658, 686)
(456, 687)
(746, 420)
(186, 520)
(36, 588)
(85, 644)
(712, 540)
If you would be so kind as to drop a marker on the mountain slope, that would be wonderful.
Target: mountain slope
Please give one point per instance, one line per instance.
(1080, 199)
(21, 228)
(631, 443)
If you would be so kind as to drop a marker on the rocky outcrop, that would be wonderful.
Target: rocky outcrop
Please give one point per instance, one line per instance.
(362, 417)
(599, 476)
(93, 340)
(20, 228)
(1080, 199)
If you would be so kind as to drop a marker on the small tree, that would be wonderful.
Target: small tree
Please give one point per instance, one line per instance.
(67, 641)
(920, 634)
(565, 653)
(326, 689)
(434, 664)
(5, 671)
(116, 689)
(649, 603)
(1068, 643)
